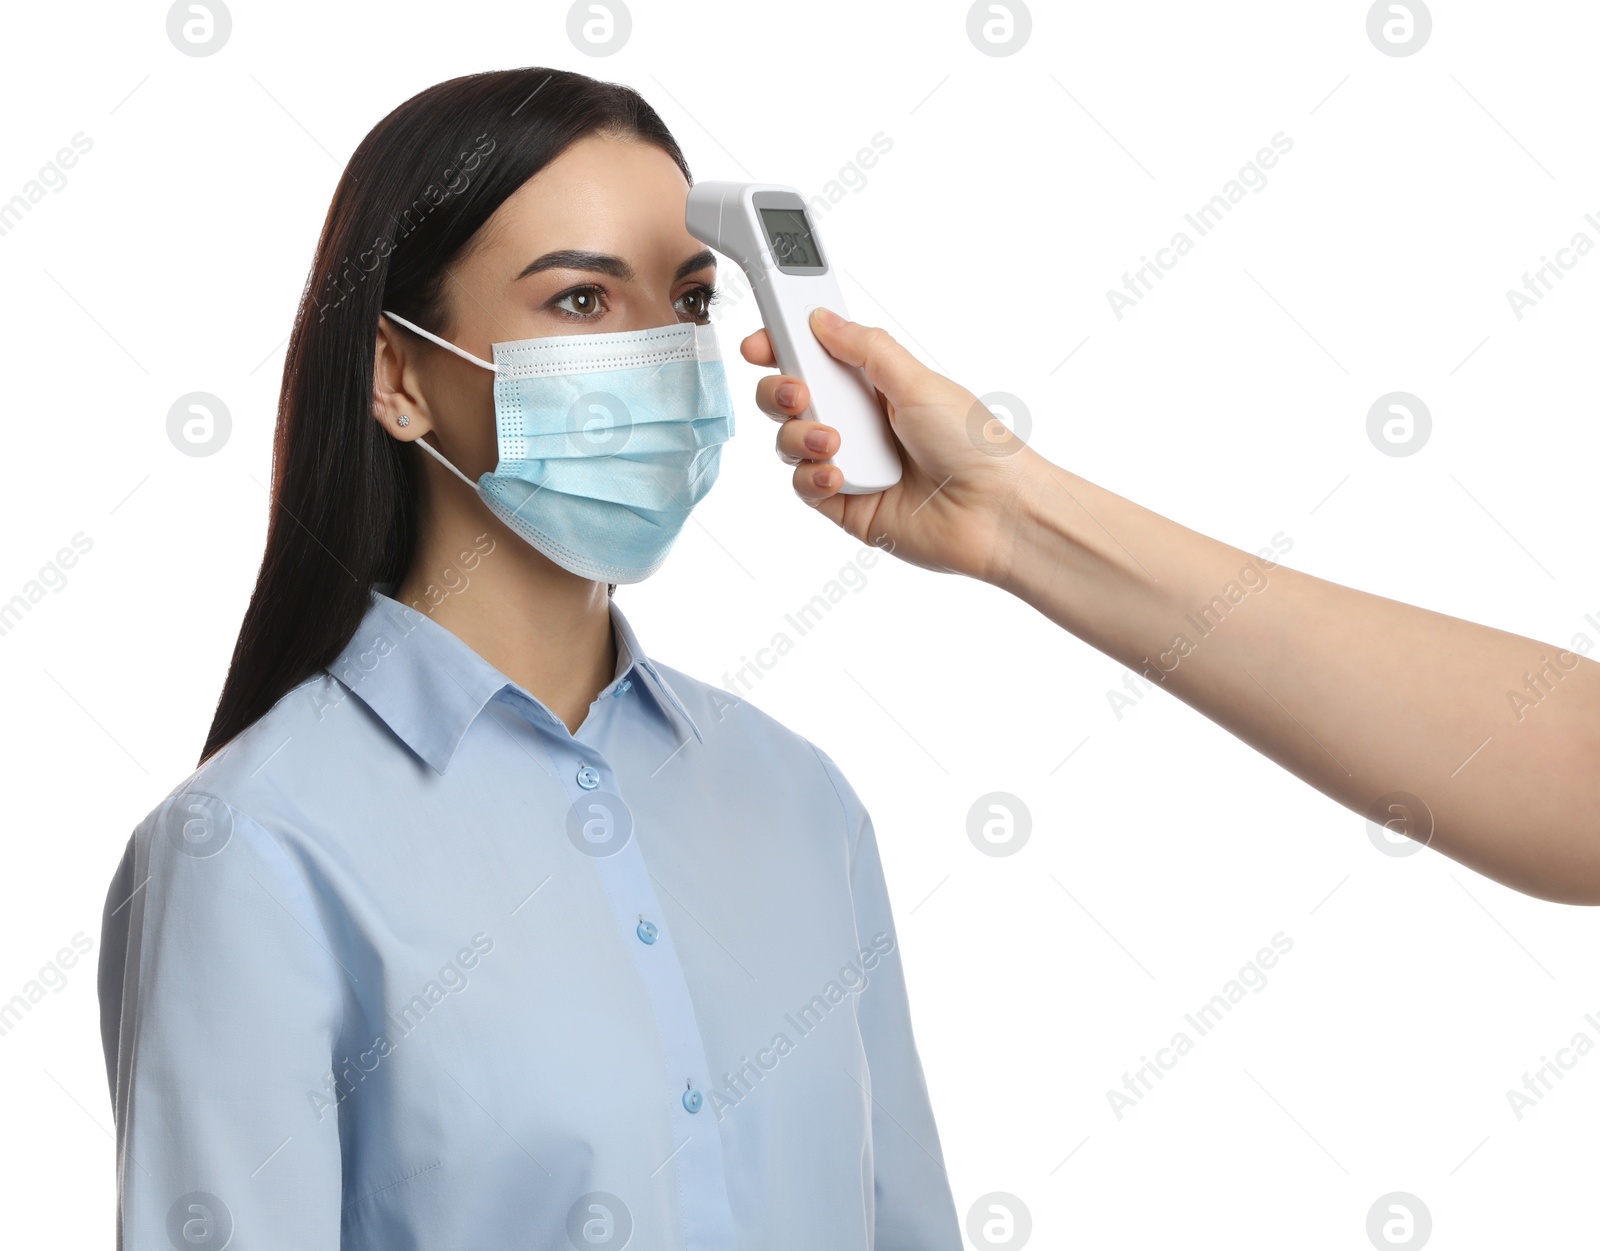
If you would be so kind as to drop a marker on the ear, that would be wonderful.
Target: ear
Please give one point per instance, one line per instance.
(395, 390)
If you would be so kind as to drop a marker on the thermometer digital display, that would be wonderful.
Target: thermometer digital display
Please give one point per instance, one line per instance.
(789, 235)
(767, 231)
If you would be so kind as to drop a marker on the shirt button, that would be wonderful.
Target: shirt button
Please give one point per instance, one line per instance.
(621, 687)
(692, 1099)
(646, 932)
(588, 777)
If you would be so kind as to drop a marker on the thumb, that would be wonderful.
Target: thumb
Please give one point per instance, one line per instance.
(888, 366)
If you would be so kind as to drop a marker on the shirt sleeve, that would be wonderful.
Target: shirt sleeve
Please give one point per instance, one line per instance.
(914, 1209)
(220, 1005)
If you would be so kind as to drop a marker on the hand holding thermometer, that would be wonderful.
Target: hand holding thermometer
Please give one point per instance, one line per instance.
(765, 230)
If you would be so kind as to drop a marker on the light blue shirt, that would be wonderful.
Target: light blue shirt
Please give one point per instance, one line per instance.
(410, 965)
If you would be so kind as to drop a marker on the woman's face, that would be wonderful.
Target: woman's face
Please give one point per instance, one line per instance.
(595, 242)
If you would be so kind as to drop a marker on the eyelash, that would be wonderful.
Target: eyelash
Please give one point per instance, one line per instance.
(709, 291)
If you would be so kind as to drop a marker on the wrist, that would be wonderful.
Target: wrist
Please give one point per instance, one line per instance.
(1028, 524)
(1068, 554)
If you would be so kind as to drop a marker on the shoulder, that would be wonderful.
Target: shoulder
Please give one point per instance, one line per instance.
(723, 715)
(250, 782)
(225, 855)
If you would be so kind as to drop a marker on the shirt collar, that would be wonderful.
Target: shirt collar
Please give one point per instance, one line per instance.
(428, 686)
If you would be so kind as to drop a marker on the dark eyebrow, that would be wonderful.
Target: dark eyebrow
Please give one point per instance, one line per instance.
(601, 263)
(700, 260)
(571, 258)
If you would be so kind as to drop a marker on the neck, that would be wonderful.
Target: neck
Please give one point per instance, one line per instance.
(543, 627)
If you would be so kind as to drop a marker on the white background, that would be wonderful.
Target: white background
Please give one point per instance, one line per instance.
(1234, 398)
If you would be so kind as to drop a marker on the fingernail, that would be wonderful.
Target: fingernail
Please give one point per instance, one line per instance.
(784, 393)
(827, 318)
(817, 440)
(821, 477)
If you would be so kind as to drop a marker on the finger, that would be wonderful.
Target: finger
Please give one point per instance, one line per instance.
(800, 440)
(781, 397)
(814, 483)
(888, 366)
(757, 349)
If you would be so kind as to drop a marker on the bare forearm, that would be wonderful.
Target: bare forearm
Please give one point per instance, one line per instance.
(1361, 696)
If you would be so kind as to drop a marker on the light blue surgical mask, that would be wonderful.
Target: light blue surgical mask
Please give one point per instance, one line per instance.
(606, 442)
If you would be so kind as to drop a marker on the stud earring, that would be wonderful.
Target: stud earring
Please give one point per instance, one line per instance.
(402, 420)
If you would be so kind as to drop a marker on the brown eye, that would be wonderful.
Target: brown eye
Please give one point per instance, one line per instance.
(696, 303)
(584, 302)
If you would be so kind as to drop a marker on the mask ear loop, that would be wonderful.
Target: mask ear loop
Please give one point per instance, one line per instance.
(465, 355)
(437, 455)
(444, 343)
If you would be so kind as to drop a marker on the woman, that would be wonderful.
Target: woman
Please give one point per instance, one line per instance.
(476, 926)
(1481, 744)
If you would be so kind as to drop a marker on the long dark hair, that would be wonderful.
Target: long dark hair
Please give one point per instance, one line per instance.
(343, 496)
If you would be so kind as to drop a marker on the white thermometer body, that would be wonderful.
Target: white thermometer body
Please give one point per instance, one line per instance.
(764, 229)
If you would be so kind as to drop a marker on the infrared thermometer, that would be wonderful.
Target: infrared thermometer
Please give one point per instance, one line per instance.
(765, 229)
